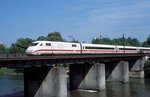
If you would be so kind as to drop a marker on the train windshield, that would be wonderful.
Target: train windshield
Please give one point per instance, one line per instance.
(34, 44)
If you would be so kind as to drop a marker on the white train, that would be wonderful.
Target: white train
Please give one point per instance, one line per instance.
(52, 47)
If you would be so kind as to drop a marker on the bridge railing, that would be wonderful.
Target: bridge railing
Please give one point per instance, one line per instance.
(12, 55)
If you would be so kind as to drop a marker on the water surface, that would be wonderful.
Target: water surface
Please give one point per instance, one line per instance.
(12, 86)
(135, 88)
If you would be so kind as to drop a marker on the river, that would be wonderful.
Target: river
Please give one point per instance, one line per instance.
(12, 86)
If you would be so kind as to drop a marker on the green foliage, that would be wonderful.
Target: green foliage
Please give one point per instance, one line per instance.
(74, 41)
(147, 42)
(2, 48)
(102, 41)
(6, 71)
(11, 71)
(22, 43)
(53, 36)
(20, 46)
(132, 42)
(42, 38)
(147, 64)
(117, 41)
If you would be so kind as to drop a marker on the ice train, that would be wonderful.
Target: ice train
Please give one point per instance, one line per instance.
(53, 47)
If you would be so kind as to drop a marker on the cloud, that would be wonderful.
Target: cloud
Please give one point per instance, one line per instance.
(132, 18)
(84, 19)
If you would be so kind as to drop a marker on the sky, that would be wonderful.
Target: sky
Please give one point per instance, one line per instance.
(83, 19)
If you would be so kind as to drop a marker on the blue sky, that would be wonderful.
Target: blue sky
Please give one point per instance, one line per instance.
(83, 19)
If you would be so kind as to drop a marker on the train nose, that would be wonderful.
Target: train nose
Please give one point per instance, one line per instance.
(29, 51)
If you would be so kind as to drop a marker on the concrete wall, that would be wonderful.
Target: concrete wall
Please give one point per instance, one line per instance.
(87, 76)
(137, 65)
(119, 72)
(137, 74)
(45, 82)
(136, 68)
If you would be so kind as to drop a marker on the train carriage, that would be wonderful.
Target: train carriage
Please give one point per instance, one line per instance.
(127, 49)
(144, 49)
(49, 47)
(97, 48)
(53, 47)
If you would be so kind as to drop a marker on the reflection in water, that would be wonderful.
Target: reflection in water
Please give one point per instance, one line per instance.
(12, 86)
(135, 88)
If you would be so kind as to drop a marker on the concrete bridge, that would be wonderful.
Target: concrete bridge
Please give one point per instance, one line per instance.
(44, 76)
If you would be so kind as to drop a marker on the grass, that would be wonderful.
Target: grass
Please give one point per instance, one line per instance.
(7, 71)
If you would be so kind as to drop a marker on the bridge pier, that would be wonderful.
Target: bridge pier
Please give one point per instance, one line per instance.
(117, 71)
(87, 76)
(45, 81)
(136, 68)
(137, 64)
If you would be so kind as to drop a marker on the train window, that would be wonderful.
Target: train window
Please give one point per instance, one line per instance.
(48, 44)
(74, 45)
(127, 49)
(41, 44)
(34, 44)
(88, 47)
(145, 49)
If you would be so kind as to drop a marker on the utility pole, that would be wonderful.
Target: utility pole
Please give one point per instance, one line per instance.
(123, 43)
(100, 37)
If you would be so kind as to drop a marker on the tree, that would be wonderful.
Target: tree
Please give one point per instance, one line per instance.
(147, 42)
(42, 38)
(132, 41)
(117, 41)
(55, 36)
(101, 41)
(2, 48)
(95, 41)
(20, 46)
(74, 41)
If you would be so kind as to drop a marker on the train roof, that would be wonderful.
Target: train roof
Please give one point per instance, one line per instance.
(144, 48)
(102, 45)
(40, 41)
(118, 46)
(88, 44)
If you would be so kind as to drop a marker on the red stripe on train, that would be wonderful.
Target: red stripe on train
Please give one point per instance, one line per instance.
(98, 51)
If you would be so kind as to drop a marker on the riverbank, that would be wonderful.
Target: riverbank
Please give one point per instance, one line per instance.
(9, 71)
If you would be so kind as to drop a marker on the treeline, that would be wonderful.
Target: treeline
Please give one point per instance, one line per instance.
(118, 41)
(22, 43)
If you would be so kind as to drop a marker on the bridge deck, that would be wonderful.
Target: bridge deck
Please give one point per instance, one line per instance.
(23, 60)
